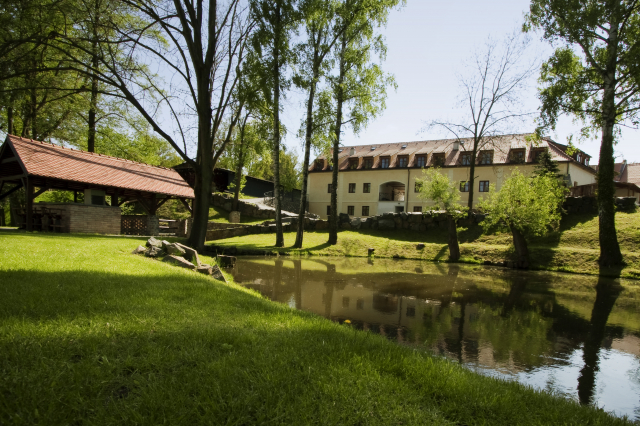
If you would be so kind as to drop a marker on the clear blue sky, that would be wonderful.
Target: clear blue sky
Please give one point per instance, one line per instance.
(428, 42)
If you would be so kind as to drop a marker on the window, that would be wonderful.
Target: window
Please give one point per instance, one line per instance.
(464, 186)
(329, 188)
(579, 158)
(417, 209)
(420, 161)
(353, 163)
(351, 210)
(352, 188)
(438, 160)
(586, 161)
(384, 163)
(411, 311)
(328, 210)
(360, 304)
(417, 186)
(403, 161)
(368, 163)
(365, 210)
(319, 165)
(537, 154)
(366, 188)
(517, 156)
(484, 186)
(486, 157)
(465, 159)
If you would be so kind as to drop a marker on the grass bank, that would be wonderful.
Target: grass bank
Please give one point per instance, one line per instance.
(572, 248)
(91, 334)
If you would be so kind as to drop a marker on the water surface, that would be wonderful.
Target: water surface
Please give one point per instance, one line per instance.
(578, 336)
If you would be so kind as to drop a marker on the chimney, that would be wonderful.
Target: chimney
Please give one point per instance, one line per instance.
(456, 145)
(352, 151)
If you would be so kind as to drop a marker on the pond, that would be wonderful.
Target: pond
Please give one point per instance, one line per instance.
(577, 336)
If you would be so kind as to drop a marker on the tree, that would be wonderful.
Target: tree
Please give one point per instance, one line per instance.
(594, 76)
(491, 95)
(436, 186)
(359, 89)
(275, 20)
(546, 165)
(313, 53)
(526, 206)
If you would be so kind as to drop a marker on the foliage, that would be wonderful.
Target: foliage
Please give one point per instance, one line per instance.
(546, 165)
(532, 205)
(435, 186)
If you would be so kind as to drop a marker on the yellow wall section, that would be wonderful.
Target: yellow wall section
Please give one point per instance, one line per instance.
(319, 198)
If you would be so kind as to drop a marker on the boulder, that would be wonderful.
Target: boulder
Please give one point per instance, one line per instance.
(217, 274)
(190, 254)
(420, 246)
(153, 242)
(153, 252)
(370, 251)
(205, 269)
(174, 249)
(344, 218)
(226, 261)
(234, 217)
(356, 223)
(386, 224)
(179, 261)
(138, 250)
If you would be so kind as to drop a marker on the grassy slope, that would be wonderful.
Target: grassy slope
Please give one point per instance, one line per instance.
(91, 334)
(574, 248)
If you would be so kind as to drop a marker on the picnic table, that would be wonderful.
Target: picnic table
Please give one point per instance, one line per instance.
(45, 219)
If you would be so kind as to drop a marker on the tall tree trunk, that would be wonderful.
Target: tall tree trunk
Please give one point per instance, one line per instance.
(333, 218)
(454, 247)
(276, 130)
(238, 177)
(91, 139)
(609, 248)
(520, 244)
(33, 114)
(472, 174)
(10, 120)
(307, 150)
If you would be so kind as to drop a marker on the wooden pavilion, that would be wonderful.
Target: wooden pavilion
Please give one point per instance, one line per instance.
(40, 166)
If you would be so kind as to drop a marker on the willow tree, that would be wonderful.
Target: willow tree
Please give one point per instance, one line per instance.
(593, 75)
(276, 22)
(358, 89)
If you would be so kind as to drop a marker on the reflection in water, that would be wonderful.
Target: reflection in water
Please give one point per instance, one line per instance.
(551, 331)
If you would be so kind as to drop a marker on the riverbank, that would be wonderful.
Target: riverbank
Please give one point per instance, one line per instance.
(91, 333)
(573, 248)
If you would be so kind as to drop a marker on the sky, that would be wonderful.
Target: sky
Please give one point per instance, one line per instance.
(428, 42)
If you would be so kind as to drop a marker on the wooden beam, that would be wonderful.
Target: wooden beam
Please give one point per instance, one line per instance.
(29, 205)
(41, 191)
(9, 160)
(184, 202)
(124, 200)
(144, 205)
(162, 202)
(11, 191)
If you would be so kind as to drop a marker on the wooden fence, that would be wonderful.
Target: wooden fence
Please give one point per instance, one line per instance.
(134, 225)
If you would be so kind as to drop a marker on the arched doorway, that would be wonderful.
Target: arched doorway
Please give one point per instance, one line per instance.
(391, 197)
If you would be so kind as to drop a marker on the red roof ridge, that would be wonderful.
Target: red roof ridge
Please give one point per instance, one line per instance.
(87, 152)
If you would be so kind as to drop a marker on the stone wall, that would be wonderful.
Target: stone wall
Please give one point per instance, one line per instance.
(88, 219)
(581, 205)
(225, 202)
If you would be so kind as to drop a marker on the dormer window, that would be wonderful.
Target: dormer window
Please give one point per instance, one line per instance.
(368, 163)
(537, 154)
(353, 163)
(384, 162)
(517, 156)
(319, 165)
(486, 157)
(403, 161)
(579, 158)
(438, 160)
(465, 159)
(586, 161)
(421, 160)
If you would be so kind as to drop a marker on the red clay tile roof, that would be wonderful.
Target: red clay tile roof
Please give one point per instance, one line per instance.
(500, 145)
(52, 161)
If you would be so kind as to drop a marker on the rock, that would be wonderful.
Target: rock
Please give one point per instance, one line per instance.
(174, 249)
(234, 217)
(179, 261)
(370, 251)
(356, 223)
(138, 250)
(345, 225)
(487, 262)
(190, 254)
(420, 246)
(385, 224)
(205, 269)
(343, 218)
(153, 242)
(226, 261)
(217, 274)
(153, 251)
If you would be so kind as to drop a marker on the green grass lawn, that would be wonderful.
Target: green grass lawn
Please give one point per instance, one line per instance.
(90, 334)
(573, 248)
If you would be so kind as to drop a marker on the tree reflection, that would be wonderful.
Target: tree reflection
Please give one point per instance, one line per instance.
(606, 295)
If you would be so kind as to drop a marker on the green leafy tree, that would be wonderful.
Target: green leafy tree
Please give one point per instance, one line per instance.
(546, 165)
(436, 187)
(276, 22)
(526, 206)
(358, 91)
(593, 75)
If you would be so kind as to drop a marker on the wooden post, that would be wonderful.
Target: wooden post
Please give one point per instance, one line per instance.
(29, 212)
(75, 196)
